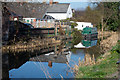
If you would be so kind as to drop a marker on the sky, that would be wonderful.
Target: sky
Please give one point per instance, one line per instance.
(79, 5)
(73, 0)
(76, 4)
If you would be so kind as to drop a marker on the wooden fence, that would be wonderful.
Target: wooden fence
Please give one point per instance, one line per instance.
(18, 29)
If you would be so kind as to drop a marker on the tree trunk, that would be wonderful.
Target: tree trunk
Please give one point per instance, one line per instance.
(102, 24)
(102, 27)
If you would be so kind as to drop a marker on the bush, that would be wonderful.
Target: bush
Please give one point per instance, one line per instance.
(116, 48)
(73, 24)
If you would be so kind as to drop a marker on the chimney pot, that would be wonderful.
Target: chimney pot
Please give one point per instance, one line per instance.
(51, 2)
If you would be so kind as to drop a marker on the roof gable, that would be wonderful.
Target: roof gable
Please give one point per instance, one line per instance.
(28, 10)
(58, 8)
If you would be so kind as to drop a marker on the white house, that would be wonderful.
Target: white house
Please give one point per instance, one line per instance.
(60, 11)
(82, 25)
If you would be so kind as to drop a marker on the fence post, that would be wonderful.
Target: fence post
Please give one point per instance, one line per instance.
(55, 30)
(48, 31)
(60, 23)
(39, 24)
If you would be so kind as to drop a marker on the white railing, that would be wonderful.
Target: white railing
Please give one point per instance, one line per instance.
(45, 24)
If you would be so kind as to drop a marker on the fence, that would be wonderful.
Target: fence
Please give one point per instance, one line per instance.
(46, 24)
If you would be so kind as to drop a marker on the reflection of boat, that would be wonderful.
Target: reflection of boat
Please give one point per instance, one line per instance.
(79, 46)
(86, 44)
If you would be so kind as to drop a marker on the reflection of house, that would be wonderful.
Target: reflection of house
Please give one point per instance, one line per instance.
(79, 45)
(63, 58)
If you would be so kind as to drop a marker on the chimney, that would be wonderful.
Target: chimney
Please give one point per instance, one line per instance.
(50, 2)
(44, 2)
(55, 2)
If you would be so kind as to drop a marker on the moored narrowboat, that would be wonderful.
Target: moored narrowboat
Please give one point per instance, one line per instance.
(89, 33)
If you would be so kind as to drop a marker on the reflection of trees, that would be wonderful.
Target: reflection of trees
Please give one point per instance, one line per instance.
(12, 60)
(74, 50)
(96, 50)
(77, 36)
(89, 59)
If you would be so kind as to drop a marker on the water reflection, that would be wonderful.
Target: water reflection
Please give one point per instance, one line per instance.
(89, 43)
(52, 62)
(86, 44)
(33, 69)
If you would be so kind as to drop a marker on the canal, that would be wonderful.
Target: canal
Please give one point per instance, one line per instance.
(51, 62)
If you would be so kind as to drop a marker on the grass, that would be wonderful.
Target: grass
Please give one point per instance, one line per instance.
(50, 35)
(105, 68)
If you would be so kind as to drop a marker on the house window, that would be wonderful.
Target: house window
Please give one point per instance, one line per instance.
(11, 18)
(19, 18)
(15, 19)
(31, 20)
(27, 20)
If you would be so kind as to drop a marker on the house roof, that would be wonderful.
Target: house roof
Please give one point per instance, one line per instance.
(28, 10)
(35, 10)
(58, 8)
(48, 17)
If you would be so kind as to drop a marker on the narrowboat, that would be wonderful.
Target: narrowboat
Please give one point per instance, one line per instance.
(89, 33)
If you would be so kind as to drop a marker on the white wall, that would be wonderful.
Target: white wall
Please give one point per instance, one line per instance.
(82, 25)
(30, 19)
(69, 12)
(58, 16)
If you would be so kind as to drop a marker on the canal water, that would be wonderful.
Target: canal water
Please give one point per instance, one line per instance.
(52, 62)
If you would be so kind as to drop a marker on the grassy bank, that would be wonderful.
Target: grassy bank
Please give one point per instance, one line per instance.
(105, 66)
